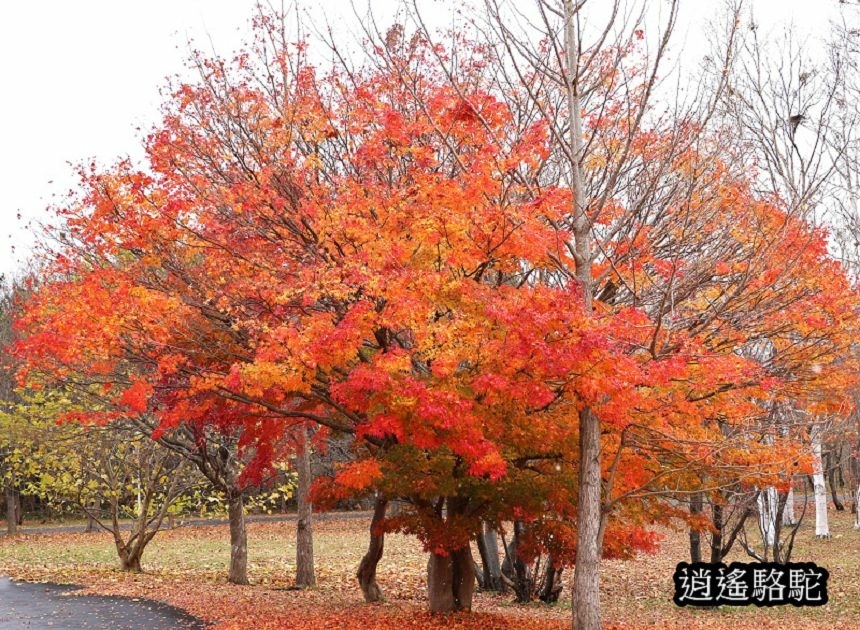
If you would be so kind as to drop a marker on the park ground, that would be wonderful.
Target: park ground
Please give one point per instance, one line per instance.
(186, 567)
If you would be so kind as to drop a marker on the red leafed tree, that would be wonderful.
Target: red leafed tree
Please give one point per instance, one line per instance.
(383, 252)
(89, 328)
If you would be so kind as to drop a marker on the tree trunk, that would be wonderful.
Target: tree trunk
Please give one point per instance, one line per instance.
(831, 477)
(488, 547)
(586, 575)
(857, 508)
(552, 584)
(768, 502)
(11, 515)
(854, 467)
(717, 536)
(515, 568)
(695, 534)
(238, 573)
(92, 525)
(822, 527)
(304, 527)
(367, 569)
(451, 581)
(788, 512)
(129, 560)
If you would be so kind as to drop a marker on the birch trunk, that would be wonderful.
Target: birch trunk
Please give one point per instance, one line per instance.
(857, 508)
(768, 504)
(788, 510)
(822, 527)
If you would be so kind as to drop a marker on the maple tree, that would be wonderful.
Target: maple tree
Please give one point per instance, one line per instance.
(654, 185)
(108, 382)
(388, 252)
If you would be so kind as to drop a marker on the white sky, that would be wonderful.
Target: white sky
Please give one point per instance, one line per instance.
(79, 77)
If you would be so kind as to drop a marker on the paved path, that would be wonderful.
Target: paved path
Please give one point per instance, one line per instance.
(48, 606)
(198, 522)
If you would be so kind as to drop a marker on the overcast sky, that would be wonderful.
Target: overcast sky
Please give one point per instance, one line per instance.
(78, 78)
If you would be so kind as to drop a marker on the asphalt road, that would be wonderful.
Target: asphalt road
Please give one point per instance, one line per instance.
(48, 606)
(197, 522)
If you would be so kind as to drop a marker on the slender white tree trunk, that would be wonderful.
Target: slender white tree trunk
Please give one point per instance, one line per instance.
(768, 503)
(822, 527)
(788, 510)
(768, 506)
(857, 510)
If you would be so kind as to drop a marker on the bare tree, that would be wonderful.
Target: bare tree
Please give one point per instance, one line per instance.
(786, 106)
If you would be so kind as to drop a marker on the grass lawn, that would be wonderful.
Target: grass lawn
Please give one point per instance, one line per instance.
(187, 567)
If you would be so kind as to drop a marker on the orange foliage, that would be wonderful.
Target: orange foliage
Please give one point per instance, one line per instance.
(343, 252)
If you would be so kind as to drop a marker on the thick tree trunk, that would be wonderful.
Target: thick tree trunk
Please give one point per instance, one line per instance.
(488, 547)
(822, 527)
(695, 534)
(130, 561)
(367, 568)
(304, 528)
(586, 575)
(131, 552)
(11, 509)
(238, 573)
(451, 581)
